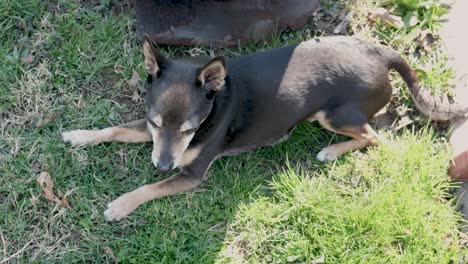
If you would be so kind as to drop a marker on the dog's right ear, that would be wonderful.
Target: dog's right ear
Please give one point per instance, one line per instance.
(213, 74)
(155, 62)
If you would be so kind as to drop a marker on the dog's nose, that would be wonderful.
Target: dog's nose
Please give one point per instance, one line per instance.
(165, 165)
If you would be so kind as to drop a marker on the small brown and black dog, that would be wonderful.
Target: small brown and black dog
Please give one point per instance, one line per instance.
(197, 113)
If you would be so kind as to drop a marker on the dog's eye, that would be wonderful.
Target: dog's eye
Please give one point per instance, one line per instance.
(149, 79)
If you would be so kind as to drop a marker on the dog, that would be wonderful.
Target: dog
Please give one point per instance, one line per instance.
(197, 113)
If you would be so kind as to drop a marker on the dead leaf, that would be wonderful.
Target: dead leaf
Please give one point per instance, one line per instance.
(426, 40)
(49, 118)
(383, 119)
(133, 83)
(28, 59)
(136, 97)
(47, 185)
(109, 252)
(63, 201)
(341, 28)
(383, 16)
(403, 122)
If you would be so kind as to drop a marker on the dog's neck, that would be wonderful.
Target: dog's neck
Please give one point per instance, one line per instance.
(215, 125)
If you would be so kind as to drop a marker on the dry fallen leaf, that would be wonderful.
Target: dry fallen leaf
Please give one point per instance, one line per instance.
(49, 118)
(133, 83)
(136, 97)
(383, 16)
(109, 252)
(383, 120)
(426, 40)
(28, 59)
(341, 28)
(47, 185)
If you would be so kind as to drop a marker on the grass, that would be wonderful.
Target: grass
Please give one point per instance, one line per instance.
(383, 207)
(276, 204)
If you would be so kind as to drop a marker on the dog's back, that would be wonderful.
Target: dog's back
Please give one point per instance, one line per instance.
(344, 77)
(287, 85)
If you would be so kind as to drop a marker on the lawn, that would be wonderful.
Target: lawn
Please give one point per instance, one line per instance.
(70, 63)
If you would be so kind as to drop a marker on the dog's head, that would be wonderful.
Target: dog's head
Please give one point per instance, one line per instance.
(179, 98)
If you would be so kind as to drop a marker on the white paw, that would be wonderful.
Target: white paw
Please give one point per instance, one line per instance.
(121, 207)
(327, 154)
(79, 137)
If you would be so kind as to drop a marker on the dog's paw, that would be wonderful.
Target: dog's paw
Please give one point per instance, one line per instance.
(121, 207)
(327, 154)
(79, 137)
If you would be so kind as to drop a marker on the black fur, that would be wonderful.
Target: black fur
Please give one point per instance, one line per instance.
(267, 94)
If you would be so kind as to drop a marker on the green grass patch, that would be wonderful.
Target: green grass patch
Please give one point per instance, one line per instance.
(389, 206)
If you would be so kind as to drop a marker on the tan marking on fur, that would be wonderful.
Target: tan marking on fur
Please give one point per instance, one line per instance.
(214, 72)
(177, 94)
(130, 135)
(189, 156)
(127, 203)
(157, 120)
(178, 149)
(320, 116)
(156, 146)
(362, 137)
(122, 134)
(187, 125)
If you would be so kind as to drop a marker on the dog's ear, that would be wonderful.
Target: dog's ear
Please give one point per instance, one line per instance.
(212, 76)
(155, 62)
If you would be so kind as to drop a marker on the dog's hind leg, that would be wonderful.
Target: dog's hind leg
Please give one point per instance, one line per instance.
(357, 127)
(133, 132)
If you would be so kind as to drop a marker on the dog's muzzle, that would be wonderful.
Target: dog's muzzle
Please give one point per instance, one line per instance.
(165, 164)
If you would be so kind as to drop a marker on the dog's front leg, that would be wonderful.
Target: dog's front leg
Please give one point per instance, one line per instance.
(190, 177)
(127, 203)
(132, 132)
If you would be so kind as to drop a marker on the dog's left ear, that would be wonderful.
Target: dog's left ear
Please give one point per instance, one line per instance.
(212, 76)
(155, 62)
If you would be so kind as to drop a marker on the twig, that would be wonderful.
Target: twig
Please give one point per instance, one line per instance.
(109, 252)
(4, 244)
(17, 253)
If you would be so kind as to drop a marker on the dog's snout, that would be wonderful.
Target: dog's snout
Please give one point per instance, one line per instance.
(165, 164)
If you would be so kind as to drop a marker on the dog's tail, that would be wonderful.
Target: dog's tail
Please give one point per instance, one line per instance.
(425, 102)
